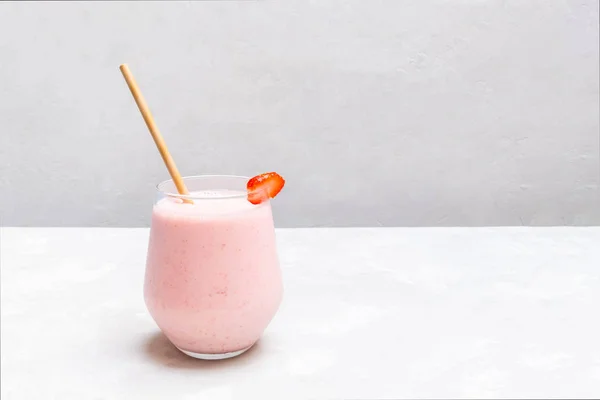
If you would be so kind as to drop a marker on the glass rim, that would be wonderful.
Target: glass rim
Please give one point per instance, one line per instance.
(200, 197)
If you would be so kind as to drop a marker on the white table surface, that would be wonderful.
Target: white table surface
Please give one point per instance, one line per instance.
(368, 314)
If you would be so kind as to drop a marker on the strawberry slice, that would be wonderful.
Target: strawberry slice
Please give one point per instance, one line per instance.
(264, 186)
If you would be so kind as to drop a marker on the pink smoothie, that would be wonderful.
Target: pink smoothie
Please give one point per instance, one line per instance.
(212, 282)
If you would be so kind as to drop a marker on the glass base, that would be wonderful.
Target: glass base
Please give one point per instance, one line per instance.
(221, 356)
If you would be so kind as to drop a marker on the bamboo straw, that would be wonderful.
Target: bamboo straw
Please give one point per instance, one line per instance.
(158, 139)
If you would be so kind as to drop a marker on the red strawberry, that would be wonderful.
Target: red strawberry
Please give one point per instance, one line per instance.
(264, 186)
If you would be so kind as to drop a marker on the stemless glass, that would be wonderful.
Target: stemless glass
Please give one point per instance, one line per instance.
(212, 281)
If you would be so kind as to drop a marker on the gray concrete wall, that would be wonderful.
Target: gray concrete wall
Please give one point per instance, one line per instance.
(393, 113)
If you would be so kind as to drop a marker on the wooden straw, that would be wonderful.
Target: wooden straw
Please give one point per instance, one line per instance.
(158, 139)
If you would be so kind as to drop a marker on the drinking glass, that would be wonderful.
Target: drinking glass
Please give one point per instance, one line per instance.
(213, 281)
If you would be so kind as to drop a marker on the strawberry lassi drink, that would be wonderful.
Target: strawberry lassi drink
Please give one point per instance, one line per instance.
(212, 280)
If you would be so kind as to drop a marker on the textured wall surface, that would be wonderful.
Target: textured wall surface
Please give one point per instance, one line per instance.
(385, 113)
